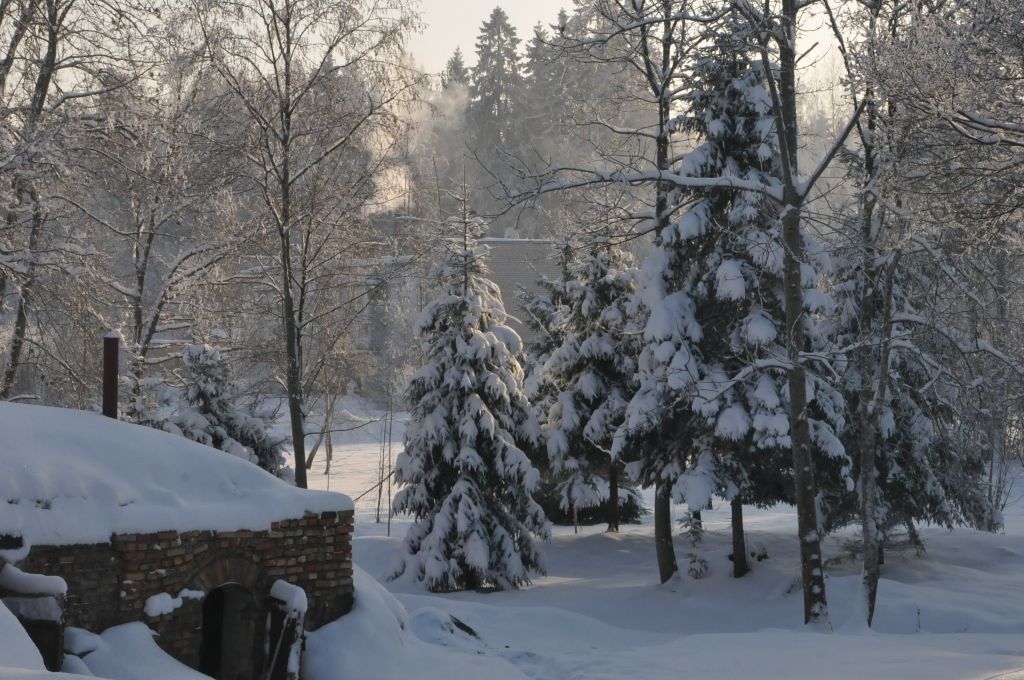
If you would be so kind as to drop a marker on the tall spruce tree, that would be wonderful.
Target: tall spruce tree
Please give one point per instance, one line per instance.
(466, 478)
(713, 374)
(497, 85)
(455, 73)
(594, 372)
(544, 320)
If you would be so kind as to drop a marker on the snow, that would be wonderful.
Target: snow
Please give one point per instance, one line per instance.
(953, 613)
(23, 674)
(80, 642)
(293, 597)
(35, 608)
(164, 603)
(161, 604)
(731, 285)
(76, 477)
(17, 581)
(16, 649)
(376, 642)
(600, 614)
(128, 652)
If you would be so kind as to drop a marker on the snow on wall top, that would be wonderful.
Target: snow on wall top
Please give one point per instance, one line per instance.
(71, 477)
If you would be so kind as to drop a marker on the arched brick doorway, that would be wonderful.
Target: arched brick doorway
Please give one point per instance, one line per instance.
(231, 631)
(233, 622)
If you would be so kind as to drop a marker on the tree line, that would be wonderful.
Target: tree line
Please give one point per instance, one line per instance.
(828, 325)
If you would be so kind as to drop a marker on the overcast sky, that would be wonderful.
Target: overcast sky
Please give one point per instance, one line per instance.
(455, 23)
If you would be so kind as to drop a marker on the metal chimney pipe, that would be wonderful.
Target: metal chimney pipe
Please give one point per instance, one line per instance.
(110, 361)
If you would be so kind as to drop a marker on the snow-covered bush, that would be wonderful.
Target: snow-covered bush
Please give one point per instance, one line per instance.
(209, 409)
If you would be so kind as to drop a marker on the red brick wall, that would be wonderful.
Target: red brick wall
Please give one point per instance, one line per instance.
(108, 584)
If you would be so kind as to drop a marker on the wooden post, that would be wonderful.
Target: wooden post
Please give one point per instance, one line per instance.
(110, 358)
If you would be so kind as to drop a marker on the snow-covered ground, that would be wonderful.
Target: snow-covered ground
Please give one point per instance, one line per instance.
(599, 613)
(955, 612)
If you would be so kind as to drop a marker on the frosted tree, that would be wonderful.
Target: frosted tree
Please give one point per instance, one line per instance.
(909, 410)
(465, 476)
(497, 84)
(543, 318)
(593, 372)
(712, 370)
(52, 71)
(318, 88)
(455, 73)
(494, 123)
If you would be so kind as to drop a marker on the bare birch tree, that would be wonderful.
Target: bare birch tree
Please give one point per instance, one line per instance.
(318, 81)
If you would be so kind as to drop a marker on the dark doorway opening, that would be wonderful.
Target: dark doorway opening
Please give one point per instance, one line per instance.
(231, 623)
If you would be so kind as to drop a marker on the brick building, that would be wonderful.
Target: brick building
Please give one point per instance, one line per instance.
(206, 549)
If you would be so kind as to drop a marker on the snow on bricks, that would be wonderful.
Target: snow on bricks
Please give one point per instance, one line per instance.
(145, 526)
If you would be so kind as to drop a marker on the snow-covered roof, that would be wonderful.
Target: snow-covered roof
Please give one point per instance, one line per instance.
(70, 477)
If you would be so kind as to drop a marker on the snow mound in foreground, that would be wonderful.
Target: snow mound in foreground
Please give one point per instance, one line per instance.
(375, 642)
(19, 658)
(77, 477)
(16, 648)
(25, 674)
(128, 652)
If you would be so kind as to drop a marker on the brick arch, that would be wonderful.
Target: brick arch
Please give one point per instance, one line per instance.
(239, 569)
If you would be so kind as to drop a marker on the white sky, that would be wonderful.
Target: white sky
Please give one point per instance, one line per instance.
(456, 23)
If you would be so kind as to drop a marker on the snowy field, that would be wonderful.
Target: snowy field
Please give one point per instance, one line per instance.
(955, 612)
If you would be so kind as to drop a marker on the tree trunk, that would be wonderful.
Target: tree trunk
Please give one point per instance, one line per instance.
(870, 413)
(293, 371)
(663, 532)
(869, 532)
(739, 542)
(17, 340)
(811, 567)
(294, 385)
(613, 496)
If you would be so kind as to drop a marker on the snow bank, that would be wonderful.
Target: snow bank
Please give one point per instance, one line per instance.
(16, 649)
(128, 652)
(76, 477)
(25, 674)
(19, 658)
(293, 597)
(803, 655)
(374, 642)
(17, 581)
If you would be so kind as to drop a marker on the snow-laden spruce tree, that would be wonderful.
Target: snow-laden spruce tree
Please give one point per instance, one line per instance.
(465, 476)
(593, 373)
(545, 321)
(209, 409)
(711, 414)
(496, 91)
